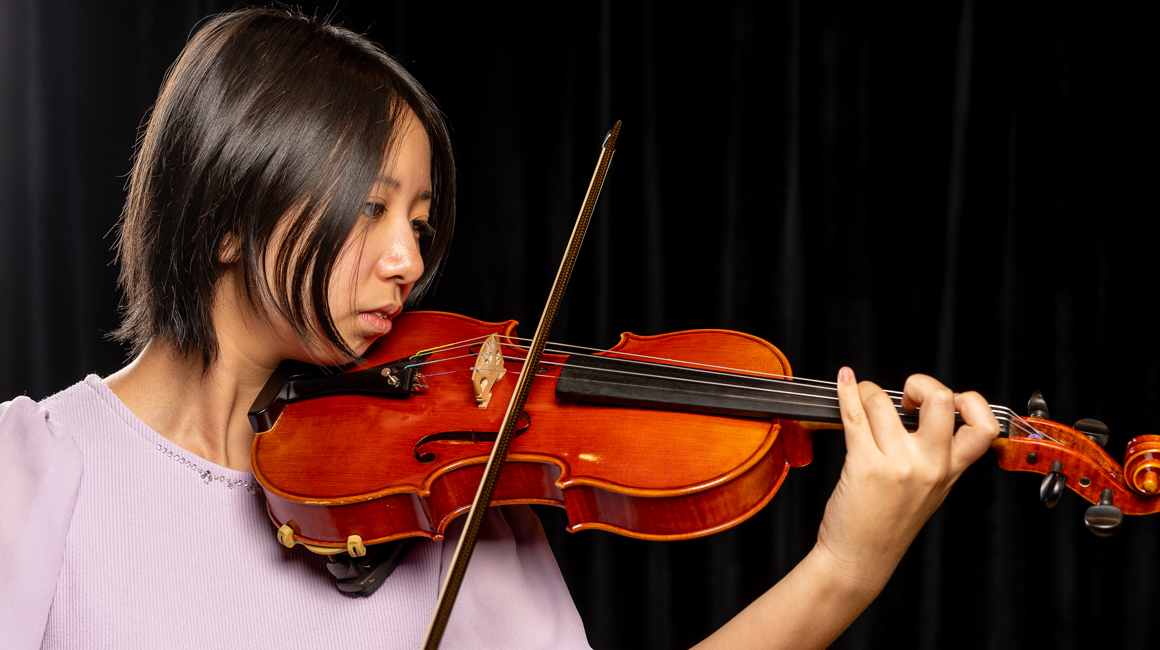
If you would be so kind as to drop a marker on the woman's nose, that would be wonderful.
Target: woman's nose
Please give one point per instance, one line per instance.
(401, 259)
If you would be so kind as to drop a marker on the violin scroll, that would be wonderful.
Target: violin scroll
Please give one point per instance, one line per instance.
(1142, 464)
(1073, 457)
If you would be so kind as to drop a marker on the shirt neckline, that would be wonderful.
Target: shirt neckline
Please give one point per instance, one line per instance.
(106, 394)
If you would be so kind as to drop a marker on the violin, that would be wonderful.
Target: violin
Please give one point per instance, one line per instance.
(663, 437)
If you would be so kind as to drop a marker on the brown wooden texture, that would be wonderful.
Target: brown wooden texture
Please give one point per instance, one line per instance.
(1142, 464)
(342, 465)
(1084, 462)
(345, 465)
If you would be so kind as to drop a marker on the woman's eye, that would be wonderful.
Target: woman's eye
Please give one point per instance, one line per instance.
(374, 210)
(424, 234)
(422, 228)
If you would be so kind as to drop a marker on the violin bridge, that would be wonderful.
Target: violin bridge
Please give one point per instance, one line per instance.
(488, 369)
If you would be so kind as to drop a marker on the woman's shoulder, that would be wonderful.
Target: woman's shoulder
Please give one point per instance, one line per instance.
(30, 426)
(40, 473)
(40, 456)
(36, 444)
(84, 398)
(64, 419)
(24, 408)
(22, 414)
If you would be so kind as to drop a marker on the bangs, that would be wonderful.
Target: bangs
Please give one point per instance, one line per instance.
(269, 132)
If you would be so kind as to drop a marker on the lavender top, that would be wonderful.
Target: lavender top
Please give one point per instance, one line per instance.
(106, 540)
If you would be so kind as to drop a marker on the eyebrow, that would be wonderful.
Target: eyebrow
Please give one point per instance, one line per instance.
(393, 183)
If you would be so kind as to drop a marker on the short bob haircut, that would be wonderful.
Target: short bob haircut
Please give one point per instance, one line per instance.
(267, 116)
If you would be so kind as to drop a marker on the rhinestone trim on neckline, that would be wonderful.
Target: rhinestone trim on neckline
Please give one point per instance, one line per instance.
(207, 476)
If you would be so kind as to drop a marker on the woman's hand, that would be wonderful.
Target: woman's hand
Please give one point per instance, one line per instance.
(893, 480)
(891, 483)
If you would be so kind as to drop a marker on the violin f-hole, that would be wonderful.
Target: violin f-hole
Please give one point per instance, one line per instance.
(522, 425)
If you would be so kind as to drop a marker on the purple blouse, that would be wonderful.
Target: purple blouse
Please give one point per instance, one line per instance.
(110, 536)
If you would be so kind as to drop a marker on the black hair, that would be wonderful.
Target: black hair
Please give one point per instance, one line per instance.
(269, 122)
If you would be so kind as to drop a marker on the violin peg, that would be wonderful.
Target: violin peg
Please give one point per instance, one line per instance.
(1094, 429)
(1051, 489)
(1037, 407)
(1104, 519)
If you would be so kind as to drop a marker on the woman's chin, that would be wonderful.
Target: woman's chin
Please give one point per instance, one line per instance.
(361, 344)
(326, 356)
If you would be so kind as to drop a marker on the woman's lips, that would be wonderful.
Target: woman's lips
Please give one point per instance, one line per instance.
(377, 322)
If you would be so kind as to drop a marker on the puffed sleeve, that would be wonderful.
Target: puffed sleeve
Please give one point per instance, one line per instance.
(513, 595)
(40, 472)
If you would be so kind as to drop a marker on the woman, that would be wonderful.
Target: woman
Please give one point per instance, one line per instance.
(293, 189)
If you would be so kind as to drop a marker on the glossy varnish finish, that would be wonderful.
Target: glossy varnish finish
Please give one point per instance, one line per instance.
(345, 465)
(337, 466)
(1088, 468)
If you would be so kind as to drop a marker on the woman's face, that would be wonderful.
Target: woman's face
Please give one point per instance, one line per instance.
(375, 273)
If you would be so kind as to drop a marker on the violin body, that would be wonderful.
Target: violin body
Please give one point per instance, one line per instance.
(377, 468)
(342, 465)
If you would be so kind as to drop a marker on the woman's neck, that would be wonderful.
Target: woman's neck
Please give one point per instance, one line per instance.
(201, 412)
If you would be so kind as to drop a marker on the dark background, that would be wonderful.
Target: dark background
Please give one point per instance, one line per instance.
(959, 188)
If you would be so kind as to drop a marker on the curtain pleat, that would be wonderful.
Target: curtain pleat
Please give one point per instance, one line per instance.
(958, 189)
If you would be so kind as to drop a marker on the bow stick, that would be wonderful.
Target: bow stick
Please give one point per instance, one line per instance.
(499, 451)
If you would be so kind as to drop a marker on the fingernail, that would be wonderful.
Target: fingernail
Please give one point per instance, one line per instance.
(845, 374)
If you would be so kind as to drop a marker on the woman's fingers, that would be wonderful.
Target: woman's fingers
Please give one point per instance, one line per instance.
(892, 481)
(979, 430)
(936, 415)
(871, 421)
(859, 437)
(882, 412)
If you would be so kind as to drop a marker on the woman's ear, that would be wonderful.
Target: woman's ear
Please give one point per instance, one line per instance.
(230, 250)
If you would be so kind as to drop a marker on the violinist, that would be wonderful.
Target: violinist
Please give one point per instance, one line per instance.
(292, 192)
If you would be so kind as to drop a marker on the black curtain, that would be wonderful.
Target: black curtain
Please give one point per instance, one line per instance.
(951, 188)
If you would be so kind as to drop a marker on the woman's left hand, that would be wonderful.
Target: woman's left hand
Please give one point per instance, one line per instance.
(893, 480)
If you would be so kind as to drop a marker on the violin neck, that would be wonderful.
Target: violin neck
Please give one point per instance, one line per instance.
(626, 382)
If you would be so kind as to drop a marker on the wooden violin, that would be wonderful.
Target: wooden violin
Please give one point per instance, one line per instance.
(662, 437)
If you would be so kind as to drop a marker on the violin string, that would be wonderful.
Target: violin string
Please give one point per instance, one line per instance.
(718, 370)
(558, 349)
(895, 395)
(998, 412)
(710, 368)
(1008, 414)
(1001, 412)
(630, 356)
(703, 367)
(452, 346)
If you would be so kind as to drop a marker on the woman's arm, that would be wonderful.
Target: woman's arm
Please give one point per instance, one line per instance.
(891, 483)
(39, 479)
